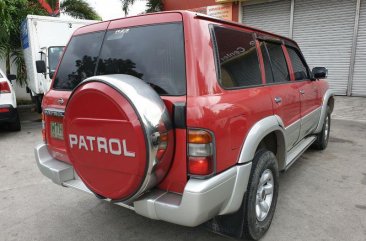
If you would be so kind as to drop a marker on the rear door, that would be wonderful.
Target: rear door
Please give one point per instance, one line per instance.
(284, 92)
(310, 108)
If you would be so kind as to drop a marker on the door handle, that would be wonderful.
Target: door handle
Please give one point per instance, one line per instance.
(278, 99)
(302, 92)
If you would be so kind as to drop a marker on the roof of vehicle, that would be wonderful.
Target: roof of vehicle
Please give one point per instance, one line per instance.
(58, 19)
(191, 14)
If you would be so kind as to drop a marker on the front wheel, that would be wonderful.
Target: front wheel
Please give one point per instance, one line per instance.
(323, 137)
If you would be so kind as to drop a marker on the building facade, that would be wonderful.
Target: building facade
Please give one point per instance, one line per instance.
(330, 33)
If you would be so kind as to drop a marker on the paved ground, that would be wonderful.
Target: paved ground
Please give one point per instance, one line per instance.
(322, 197)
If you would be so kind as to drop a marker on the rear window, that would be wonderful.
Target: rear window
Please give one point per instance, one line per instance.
(79, 61)
(153, 53)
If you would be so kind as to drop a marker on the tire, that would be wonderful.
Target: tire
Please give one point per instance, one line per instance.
(15, 126)
(244, 223)
(322, 138)
(38, 103)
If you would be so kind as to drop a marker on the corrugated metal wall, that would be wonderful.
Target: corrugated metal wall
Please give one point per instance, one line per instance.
(273, 16)
(359, 76)
(324, 31)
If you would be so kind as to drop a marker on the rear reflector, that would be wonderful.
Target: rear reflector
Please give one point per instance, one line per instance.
(4, 110)
(200, 166)
(4, 87)
(200, 153)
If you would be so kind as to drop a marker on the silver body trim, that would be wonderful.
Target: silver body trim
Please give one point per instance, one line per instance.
(328, 94)
(261, 129)
(200, 201)
(299, 149)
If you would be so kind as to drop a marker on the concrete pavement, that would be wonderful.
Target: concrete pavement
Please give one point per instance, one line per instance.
(322, 197)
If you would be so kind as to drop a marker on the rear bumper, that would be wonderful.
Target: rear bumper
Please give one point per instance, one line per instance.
(9, 116)
(200, 201)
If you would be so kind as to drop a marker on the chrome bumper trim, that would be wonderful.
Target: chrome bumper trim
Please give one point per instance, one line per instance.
(200, 201)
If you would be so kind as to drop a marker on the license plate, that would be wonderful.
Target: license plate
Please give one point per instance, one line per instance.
(57, 130)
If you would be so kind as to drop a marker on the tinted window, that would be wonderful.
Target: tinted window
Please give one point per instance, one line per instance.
(152, 53)
(238, 59)
(278, 62)
(300, 70)
(79, 60)
(267, 63)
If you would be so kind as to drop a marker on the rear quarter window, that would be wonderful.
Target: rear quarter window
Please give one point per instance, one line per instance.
(237, 58)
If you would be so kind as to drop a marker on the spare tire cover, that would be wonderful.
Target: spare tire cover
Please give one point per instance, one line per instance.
(112, 126)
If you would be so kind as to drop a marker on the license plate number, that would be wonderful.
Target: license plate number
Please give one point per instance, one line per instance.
(57, 130)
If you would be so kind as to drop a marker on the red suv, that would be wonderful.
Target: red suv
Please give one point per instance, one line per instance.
(183, 118)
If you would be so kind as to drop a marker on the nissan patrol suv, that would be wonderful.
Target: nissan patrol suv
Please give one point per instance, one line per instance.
(183, 118)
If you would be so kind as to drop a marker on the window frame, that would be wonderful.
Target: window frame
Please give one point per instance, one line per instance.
(63, 55)
(302, 58)
(280, 43)
(217, 59)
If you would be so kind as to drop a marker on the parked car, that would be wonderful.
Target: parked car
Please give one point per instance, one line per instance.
(43, 40)
(8, 103)
(183, 118)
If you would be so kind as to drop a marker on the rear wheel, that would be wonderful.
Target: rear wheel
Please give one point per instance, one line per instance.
(323, 137)
(255, 215)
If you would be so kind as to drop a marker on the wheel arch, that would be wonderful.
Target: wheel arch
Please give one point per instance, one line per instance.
(268, 133)
(328, 100)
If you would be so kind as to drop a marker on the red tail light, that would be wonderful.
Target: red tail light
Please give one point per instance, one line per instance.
(4, 110)
(200, 153)
(4, 87)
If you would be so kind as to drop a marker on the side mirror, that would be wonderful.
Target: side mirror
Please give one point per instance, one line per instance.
(41, 66)
(11, 77)
(51, 74)
(320, 73)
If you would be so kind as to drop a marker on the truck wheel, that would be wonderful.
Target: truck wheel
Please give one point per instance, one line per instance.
(38, 103)
(15, 126)
(255, 215)
(323, 137)
(261, 197)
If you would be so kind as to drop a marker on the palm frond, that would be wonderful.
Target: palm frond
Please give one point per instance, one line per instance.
(79, 9)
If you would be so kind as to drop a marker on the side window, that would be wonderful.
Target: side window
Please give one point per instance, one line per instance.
(300, 69)
(238, 59)
(278, 62)
(267, 63)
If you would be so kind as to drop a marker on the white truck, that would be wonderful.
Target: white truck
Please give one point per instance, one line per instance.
(44, 38)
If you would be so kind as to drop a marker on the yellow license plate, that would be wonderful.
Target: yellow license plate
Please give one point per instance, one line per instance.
(57, 130)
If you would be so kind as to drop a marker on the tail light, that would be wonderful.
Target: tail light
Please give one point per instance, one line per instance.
(4, 87)
(43, 128)
(200, 153)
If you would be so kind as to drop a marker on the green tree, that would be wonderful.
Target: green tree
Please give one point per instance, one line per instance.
(79, 9)
(151, 5)
(13, 12)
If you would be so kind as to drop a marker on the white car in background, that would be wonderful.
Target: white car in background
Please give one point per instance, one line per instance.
(8, 104)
